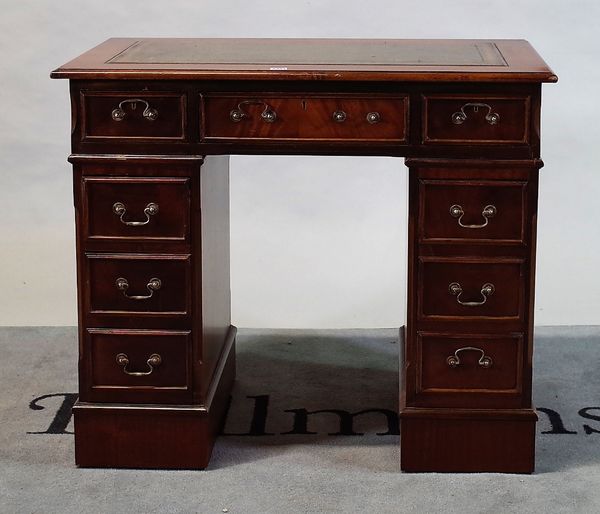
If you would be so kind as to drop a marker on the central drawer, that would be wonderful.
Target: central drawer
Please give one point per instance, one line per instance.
(305, 117)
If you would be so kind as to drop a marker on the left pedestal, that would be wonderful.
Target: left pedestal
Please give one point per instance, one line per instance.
(156, 345)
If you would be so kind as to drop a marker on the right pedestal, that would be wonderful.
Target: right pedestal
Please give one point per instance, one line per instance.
(466, 366)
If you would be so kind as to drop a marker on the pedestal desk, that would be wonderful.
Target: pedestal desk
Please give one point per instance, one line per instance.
(153, 123)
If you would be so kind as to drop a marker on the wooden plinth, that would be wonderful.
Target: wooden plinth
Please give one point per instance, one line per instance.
(154, 436)
(435, 440)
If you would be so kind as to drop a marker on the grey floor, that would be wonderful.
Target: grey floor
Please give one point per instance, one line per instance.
(258, 468)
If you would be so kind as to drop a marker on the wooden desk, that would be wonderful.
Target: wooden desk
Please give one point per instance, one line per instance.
(153, 121)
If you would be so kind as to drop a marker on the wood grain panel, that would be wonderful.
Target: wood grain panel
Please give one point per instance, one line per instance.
(306, 117)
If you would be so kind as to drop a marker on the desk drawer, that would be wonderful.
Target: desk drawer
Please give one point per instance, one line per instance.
(310, 117)
(136, 209)
(471, 288)
(137, 365)
(133, 116)
(133, 284)
(454, 369)
(472, 211)
(475, 119)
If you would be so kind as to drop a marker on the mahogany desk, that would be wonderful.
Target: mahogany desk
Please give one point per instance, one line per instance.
(153, 123)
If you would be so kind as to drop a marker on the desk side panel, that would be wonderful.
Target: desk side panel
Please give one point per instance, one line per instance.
(212, 263)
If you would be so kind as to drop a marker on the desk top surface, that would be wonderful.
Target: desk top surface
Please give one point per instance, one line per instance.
(409, 60)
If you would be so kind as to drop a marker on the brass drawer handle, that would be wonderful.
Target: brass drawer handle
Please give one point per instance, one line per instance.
(339, 116)
(484, 361)
(154, 284)
(120, 210)
(456, 289)
(489, 211)
(459, 117)
(269, 115)
(373, 117)
(149, 113)
(153, 361)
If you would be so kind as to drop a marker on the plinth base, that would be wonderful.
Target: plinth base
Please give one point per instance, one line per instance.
(461, 440)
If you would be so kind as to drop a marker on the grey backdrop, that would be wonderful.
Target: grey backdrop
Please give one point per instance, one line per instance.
(316, 241)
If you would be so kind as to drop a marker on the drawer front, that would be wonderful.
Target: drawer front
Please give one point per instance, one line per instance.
(136, 209)
(137, 365)
(133, 116)
(464, 288)
(455, 368)
(128, 284)
(461, 119)
(472, 211)
(327, 118)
